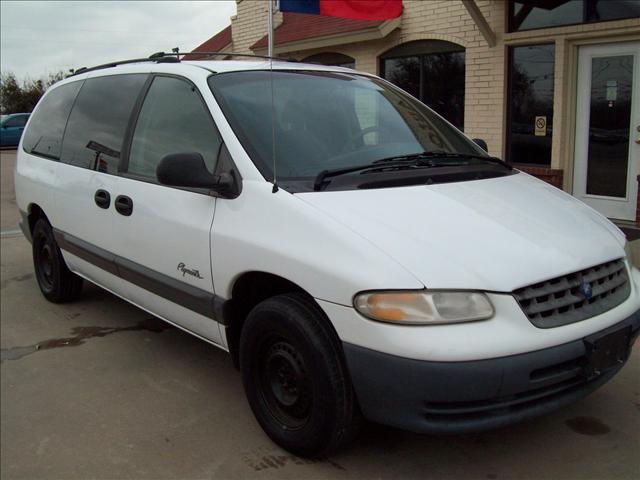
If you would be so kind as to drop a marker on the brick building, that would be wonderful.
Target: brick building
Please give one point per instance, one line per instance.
(547, 83)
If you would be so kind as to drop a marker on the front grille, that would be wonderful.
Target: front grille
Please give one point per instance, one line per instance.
(562, 300)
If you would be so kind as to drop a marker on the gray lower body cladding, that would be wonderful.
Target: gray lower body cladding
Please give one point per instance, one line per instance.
(471, 396)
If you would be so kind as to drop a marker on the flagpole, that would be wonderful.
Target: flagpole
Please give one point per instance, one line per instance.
(273, 109)
(270, 28)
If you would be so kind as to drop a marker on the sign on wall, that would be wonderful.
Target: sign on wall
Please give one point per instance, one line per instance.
(541, 126)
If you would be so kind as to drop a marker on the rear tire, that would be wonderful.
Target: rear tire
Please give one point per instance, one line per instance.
(57, 283)
(295, 378)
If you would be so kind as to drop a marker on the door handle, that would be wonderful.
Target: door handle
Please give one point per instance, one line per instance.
(124, 205)
(102, 198)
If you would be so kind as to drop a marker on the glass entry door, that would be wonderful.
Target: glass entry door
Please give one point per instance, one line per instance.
(607, 148)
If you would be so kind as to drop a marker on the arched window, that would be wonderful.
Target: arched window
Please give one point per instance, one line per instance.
(331, 58)
(432, 71)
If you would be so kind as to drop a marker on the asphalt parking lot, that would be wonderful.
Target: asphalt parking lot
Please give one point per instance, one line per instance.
(100, 389)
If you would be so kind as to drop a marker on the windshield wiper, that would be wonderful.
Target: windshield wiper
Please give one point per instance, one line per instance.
(419, 160)
(377, 165)
(425, 158)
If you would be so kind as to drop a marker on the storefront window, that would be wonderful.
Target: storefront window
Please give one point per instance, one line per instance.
(433, 72)
(530, 14)
(530, 104)
(331, 58)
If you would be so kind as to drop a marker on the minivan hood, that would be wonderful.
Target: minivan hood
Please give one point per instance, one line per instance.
(496, 234)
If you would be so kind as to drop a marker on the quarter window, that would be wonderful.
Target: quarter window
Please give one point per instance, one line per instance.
(173, 119)
(95, 133)
(44, 135)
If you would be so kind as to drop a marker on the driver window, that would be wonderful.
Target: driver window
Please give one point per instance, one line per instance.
(173, 119)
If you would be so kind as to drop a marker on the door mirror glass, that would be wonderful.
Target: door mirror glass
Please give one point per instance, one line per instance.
(481, 143)
(189, 170)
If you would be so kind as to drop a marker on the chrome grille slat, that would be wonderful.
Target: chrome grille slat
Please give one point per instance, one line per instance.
(560, 301)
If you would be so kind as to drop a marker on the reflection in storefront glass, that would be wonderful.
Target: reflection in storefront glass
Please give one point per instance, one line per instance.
(530, 104)
(436, 79)
(609, 116)
(528, 14)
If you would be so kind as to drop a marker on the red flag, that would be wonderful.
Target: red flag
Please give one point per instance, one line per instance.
(355, 9)
(362, 9)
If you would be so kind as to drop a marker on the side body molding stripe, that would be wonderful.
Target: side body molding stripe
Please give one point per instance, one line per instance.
(87, 251)
(188, 296)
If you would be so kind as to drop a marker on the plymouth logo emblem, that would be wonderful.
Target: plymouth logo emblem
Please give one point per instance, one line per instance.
(188, 271)
(586, 289)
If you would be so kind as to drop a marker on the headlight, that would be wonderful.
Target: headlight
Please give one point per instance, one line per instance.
(424, 307)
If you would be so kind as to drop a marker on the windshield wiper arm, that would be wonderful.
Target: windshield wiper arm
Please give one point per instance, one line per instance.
(411, 157)
(377, 165)
(486, 158)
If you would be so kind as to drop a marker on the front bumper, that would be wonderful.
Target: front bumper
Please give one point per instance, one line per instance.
(469, 396)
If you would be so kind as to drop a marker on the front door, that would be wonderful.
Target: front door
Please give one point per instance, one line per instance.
(607, 144)
(162, 233)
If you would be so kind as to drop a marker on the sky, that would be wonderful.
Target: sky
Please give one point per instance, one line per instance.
(39, 38)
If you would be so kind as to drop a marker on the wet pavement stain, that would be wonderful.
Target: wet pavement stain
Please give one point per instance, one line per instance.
(587, 426)
(17, 278)
(261, 461)
(80, 335)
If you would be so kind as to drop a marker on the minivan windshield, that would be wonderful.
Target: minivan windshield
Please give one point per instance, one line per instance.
(332, 121)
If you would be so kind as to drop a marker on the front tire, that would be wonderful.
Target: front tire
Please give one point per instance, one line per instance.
(57, 283)
(295, 377)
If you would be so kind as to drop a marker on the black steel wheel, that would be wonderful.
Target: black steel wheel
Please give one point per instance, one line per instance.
(295, 377)
(284, 382)
(57, 283)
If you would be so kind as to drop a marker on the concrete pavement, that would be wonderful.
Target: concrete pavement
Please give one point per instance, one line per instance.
(98, 388)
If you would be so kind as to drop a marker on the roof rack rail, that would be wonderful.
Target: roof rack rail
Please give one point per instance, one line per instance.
(174, 57)
(232, 54)
(159, 57)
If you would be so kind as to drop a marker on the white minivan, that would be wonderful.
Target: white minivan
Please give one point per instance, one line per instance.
(356, 254)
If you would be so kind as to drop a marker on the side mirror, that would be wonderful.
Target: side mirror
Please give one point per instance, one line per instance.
(481, 143)
(189, 170)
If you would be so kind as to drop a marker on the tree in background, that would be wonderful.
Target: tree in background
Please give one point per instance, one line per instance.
(22, 98)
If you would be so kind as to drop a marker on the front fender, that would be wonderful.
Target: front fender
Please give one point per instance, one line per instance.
(278, 233)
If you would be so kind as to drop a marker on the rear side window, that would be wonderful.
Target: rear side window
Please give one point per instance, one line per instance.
(96, 128)
(173, 119)
(44, 135)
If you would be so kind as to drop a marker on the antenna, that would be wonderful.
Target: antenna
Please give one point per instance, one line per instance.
(273, 108)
